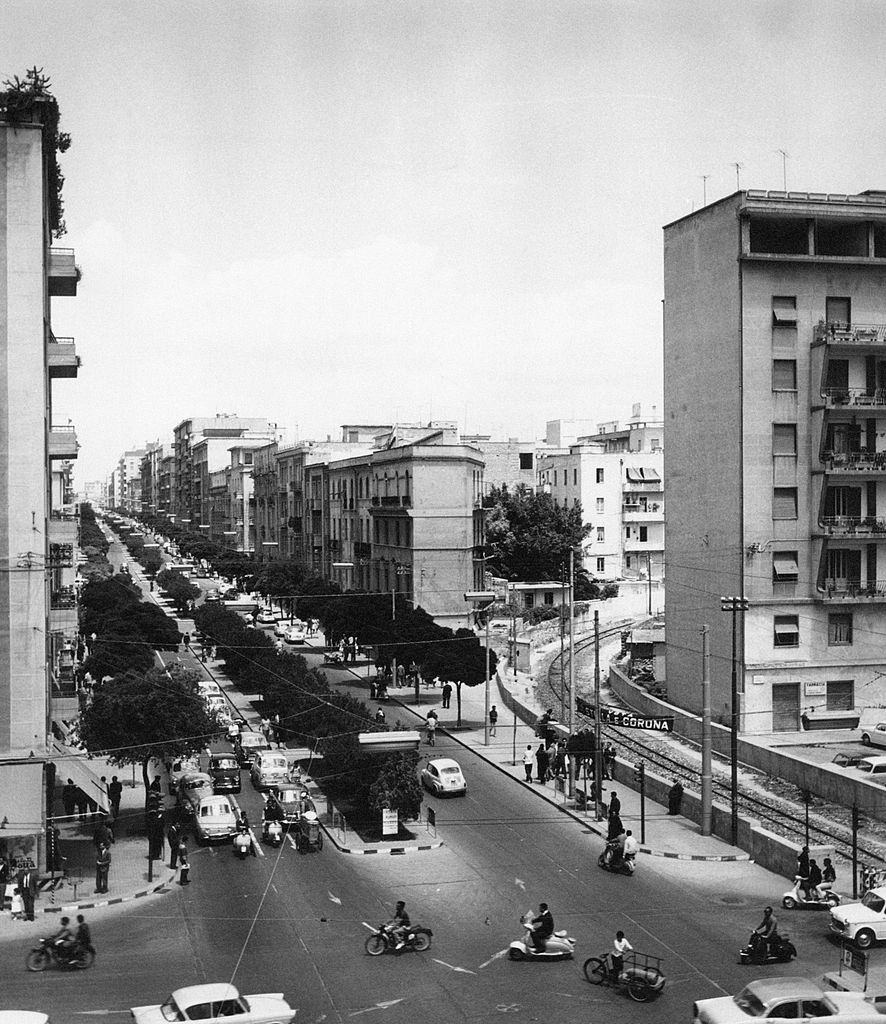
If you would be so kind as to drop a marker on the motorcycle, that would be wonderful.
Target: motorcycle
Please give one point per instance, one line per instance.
(558, 946)
(383, 938)
(272, 832)
(797, 899)
(242, 844)
(611, 860)
(759, 952)
(46, 953)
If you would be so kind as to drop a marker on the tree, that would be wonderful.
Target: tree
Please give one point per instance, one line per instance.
(139, 716)
(529, 538)
(178, 590)
(397, 787)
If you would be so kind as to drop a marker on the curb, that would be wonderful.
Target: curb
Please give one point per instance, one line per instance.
(95, 904)
(394, 851)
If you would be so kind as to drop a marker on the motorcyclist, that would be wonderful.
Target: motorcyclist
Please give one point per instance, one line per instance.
(541, 928)
(814, 880)
(399, 924)
(803, 869)
(272, 812)
(767, 929)
(84, 936)
(243, 830)
(63, 941)
(828, 875)
(631, 846)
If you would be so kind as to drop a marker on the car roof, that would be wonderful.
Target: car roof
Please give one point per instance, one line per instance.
(215, 798)
(286, 787)
(250, 736)
(213, 992)
(444, 762)
(220, 757)
(196, 776)
(875, 759)
(767, 989)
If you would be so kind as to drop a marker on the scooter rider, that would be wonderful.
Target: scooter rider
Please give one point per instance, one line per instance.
(542, 928)
(631, 846)
(768, 928)
(814, 881)
(803, 869)
(243, 830)
(828, 875)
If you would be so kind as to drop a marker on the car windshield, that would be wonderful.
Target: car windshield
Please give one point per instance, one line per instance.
(873, 902)
(195, 784)
(214, 810)
(747, 1001)
(224, 762)
(288, 796)
(274, 763)
(170, 1011)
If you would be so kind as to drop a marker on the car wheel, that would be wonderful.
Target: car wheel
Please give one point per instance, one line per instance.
(864, 939)
(865, 739)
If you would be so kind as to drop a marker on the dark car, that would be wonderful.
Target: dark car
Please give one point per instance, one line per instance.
(247, 745)
(843, 760)
(225, 773)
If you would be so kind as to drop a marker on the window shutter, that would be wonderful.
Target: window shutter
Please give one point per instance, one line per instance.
(784, 503)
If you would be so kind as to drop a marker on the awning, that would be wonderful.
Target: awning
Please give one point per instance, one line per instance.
(784, 311)
(784, 565)
(70, 764)
(641, 474)
(21, 798)
(786, 631)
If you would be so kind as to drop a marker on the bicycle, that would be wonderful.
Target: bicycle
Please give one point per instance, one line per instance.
(640, 974)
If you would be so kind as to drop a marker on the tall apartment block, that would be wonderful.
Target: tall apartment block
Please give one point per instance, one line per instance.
(615, 474)
(38, 517)
(775, 467)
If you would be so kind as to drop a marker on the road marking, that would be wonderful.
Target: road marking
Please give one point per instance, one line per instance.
(97, 1013)
(493, 958)
(334, 899)
(378, 1006)
(679, 957)
(508, 1007)
(458, 970)
(520, 884)
(291, 841)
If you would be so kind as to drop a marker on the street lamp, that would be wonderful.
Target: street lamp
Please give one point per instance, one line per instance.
(734, 605)
(482, 599)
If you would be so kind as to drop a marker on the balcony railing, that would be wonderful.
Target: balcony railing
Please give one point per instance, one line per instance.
(63, 441)
(839, 397)
(861, 335)
(854, 462)
(63, 272)
(392, 501)
(849, 526)
(854, 590)
(61, 357)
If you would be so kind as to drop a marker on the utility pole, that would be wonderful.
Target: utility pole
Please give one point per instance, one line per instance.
(394, 619)
(648, 584)
(704, 189)
(706, 777)
(734, 605)
(571, 668)
(514, 666)
(738, 168)
(598, 752)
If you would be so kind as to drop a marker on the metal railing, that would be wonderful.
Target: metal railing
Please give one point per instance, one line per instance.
(854, 396)
(851, 588)
(836, 333)
(849, 525)
(858, 462)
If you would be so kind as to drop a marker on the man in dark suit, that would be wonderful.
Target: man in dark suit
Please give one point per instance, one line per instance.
(27, 883)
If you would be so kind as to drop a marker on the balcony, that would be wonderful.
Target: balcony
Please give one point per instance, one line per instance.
(852, 526)
(61, 357)
(854, 463)
(362, 549)
(850, 335)
(63, 530)
(639, 547)
(390, 502)
(853, 398)
(632, 513)
(853, 590)
(64, 274)
(63, 441)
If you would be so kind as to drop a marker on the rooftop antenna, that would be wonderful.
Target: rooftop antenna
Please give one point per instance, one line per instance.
(784, 168)
(704, 189)
(738, 168)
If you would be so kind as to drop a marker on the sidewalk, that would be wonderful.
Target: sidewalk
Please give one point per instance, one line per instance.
(666, 836)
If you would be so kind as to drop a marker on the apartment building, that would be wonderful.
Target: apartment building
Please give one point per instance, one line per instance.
(149, 472)
(96, 493)
(508, 463)
(269, 519)
(615, 474)
(38, 516)
(775, 400)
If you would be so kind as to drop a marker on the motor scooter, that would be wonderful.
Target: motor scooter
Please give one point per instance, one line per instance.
(242, 844)
(759, 952)
(797, 899)
(558, 946)
(272, 832)
(611, 860)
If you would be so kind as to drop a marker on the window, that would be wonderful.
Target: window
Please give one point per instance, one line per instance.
(600, 503)
(575, 478)
(786, 631)
(655, 443)
(840, 695)
(529, 600)
(247, 458)
(784, 567)
(644, 534)
(627, 533)
(784, 374)
(525, 460)
(784, 439)
(838, 310)
(839, 629)
(601, 565)
(784, 503)
(555, 477)
(599, 476)
(629, 562)
(601, 534)
(784, 309)
(549, 597)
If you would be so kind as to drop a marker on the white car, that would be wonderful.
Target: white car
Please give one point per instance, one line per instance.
(217, 1004)
(873, 767)
(443, 777)
(266, 617)
(281, 628)
(217, 703)
(875, 737)
(214, 818)
(779, 1000)
(862, 923)
(295, 635)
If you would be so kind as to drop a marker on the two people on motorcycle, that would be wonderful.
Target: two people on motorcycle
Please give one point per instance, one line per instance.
(624, 847)
(273, 811)
(243, 830)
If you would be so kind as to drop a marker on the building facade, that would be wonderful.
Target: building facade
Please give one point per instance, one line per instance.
(775, 400)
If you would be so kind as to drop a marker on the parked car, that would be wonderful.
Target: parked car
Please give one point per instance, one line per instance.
(296, 635)
(443, 776)
(873, 766)
(247, 745)
(192, 787)
(180, 767)
(778, 1000)
(875, 737)
(863, 923)
(219, 704)
(215, 1003)
(266, 617)
(289, 796)
(214, 819)
(281, 628)
(846, 760)
(269, 768)
(208, 686)
(225, 773)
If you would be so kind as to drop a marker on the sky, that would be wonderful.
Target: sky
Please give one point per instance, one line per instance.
(332, 211)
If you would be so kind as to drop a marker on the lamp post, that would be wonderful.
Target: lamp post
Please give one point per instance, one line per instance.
(482, 599)
(734, 605)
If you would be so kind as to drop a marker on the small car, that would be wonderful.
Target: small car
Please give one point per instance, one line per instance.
(784, 999)
(281, 628)
(862, 923)
(443, 777)
(266, 617)
(218, 703)
(296, 635)
(875, 737)
(214, 819)
(269, 768)
(192, 787)
(212, 597)
(249, 744)
(225, 773)
(182, 766)
(844, 760)
(873, 766)
(215, 1003)
(289, 797)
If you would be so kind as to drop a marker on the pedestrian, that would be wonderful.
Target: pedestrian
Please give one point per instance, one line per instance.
(541, 760)
(401, 674)
(101, 834)
(186, 640)
(560, 765)
(278, 731)
(609, 761)
(82, 804)
(493, 719)
(184, 874)
(102, 867)
(675, 798)
(174, 840)
(803, 869)
(615, 828)
(27, 884)
(17, 905)
(446, 694)
(155, 786)
(528, 760)
(614, 804)
(266, 728)
(69, 798)
(372, 689)
(380, 717)
(432, 728)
